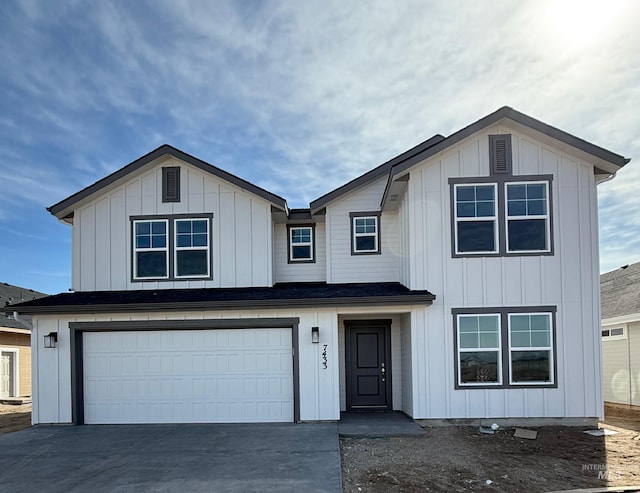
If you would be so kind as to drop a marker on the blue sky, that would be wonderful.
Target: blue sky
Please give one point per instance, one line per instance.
(297, 97)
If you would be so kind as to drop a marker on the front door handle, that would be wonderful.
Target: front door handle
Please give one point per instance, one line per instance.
(383, 370)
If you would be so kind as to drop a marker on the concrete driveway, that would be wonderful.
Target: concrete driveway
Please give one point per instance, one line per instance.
(163, 458)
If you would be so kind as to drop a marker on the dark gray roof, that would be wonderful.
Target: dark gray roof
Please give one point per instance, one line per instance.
(147, 158)
(284, 295)
(438, 143)
(375, 173)
(14, 294)
(620, 291)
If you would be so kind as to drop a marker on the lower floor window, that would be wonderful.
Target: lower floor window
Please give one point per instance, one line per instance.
(505, 347)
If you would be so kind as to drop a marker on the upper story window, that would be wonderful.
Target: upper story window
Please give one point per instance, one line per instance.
(476, 218)
(527, 217)
(501, 214)
(301, 244)
(365, 233)
(171, 247)
(192, 248)
(150, 256)
(505, 347)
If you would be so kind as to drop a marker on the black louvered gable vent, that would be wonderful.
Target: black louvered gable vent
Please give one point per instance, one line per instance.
(171, 184)
(500, 154)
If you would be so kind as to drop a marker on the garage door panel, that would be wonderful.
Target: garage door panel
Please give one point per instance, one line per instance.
(190, 376)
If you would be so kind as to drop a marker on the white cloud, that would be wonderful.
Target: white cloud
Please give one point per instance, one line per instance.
(300, 97)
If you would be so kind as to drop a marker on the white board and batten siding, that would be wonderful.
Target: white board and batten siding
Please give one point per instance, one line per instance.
(342, 266)
(568, 280)
(241, 231)
(299, 271)
(188, 361)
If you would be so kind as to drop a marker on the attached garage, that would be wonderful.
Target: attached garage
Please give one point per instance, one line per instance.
(185, 375)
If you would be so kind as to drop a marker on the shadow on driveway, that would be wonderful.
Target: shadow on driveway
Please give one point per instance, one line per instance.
(167, 458)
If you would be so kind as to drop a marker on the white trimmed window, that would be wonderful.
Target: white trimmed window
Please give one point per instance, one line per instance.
(150, 249)
(192, 257)
(173, 247)
(613, 333)
(301, 247)
(365, 234)
(479, 361)
(527, 217)
(476, 218)
(505, 347)
(530, 348)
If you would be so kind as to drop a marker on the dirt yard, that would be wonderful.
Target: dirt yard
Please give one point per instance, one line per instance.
(462, 459)
(14, 418)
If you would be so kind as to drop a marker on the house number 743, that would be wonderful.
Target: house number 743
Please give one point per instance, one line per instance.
(324, 358)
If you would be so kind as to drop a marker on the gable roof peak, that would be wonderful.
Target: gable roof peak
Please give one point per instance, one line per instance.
(64, 207)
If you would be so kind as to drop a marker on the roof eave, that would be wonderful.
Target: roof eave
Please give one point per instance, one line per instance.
(63, 208)
(410, 299)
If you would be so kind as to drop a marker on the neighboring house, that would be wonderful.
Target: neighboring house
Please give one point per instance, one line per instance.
(15, 344)
(620, 294)
(457, 280)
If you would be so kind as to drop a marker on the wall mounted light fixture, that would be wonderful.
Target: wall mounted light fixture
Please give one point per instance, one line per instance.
(50, 339)
(315, 335)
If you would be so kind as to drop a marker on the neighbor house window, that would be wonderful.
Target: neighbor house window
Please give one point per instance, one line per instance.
(505, 347)
(613, 333)
(171, 247)
(476, 218)
(150, 258)
(301, 248)
(192, 248)
(527, 217)
(365, 233)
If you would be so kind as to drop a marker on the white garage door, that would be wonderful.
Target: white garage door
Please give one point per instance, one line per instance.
(188, 376)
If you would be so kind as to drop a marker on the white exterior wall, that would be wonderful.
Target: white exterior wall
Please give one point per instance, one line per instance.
(621, 365)
(241, 230)
(343, 267)
(568, 279)
(319, 387)
(301, 271)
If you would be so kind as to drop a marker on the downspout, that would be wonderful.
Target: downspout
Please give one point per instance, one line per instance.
(22, 321)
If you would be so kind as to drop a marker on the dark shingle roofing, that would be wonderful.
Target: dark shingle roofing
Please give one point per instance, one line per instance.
(14, 294)
(292, 295)
(620, 291)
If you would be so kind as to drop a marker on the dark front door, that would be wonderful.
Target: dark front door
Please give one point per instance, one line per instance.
(368, 368)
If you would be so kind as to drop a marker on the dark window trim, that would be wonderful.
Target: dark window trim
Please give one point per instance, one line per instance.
(171, 218)
(500, 181)
(377, 215)
(313, 244)
(504, 345)
(76, 330)
(167, 173)
(496, 221)
(549, 218)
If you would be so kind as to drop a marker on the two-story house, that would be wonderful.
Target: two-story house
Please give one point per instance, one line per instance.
(457, 280)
